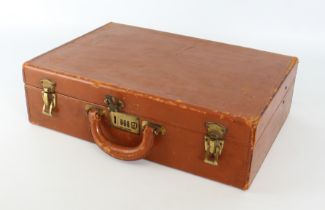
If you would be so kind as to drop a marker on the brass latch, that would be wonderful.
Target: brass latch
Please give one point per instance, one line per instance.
(213, 142)
(48, 96)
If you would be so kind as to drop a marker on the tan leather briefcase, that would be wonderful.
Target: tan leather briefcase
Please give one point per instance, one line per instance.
(204, 107)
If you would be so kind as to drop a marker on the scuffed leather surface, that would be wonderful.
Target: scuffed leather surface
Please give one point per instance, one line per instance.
(177, 81)
(212, 75)
(180, 148)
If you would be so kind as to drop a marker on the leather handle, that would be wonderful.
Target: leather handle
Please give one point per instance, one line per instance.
(118, 151)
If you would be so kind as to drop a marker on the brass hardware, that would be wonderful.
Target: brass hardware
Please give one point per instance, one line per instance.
(100, 111)
(118, 119)
(157, 129)
(48, 96)
(114, 104)
(125, 122)
(213, 142)
(122, 120)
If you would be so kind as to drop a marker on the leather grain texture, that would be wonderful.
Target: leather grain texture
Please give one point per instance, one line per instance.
(177, 81)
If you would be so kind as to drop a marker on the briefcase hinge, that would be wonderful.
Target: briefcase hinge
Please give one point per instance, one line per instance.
(213, 142)
(48, 96)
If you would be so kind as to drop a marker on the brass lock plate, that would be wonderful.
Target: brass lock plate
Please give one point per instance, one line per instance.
(125, 122)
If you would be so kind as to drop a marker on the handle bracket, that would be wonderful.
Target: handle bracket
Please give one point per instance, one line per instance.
(157, 129)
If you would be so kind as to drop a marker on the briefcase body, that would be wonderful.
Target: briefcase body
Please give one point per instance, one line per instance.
(204, 107)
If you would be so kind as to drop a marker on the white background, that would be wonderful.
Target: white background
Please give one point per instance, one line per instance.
(43, 169)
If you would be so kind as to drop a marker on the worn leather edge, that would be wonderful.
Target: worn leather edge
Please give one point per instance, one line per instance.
(291, 76)
(197, 38)
(257, 161)
(251, 121)
(243, 120)
(279, 93)
(236, 179)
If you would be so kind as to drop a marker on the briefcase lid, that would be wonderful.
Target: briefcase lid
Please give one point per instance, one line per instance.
(212, 75)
